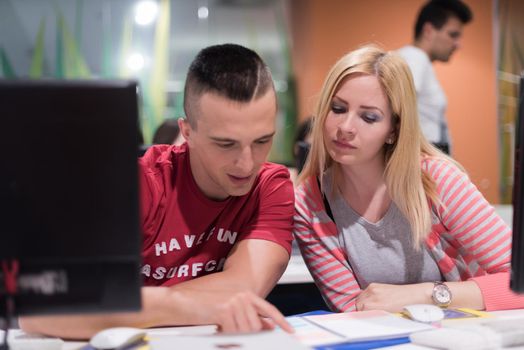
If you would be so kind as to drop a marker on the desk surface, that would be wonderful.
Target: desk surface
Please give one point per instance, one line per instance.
(296, 271)
(207, 330)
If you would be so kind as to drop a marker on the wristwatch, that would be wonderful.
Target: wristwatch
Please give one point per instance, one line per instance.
(441, 294)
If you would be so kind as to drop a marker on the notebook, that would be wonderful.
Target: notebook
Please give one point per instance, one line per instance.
(352, 327)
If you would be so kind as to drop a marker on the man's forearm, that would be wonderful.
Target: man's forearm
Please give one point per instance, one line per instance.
(161, 306)
(193, 302)
(157, 310)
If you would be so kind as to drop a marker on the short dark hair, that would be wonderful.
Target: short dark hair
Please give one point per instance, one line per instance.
(229, 70)
(437, 12)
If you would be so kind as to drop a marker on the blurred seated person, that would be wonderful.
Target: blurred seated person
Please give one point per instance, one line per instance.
(142, 148)
(301, 147)
(302, 143)
(168, 133)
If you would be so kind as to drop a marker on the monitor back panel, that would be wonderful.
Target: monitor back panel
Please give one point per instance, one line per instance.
(69, 194)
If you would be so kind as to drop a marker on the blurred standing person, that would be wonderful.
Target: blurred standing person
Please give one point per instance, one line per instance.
(438, 33)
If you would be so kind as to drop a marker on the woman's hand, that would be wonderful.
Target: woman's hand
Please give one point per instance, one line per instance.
(392, 297)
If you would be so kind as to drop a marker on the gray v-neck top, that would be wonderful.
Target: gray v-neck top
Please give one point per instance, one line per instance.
(380, 252)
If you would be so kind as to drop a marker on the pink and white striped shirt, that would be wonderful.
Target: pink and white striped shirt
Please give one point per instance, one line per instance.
(469, 241)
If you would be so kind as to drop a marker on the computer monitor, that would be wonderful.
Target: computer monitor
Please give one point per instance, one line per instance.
(69, 196)
(517, 250)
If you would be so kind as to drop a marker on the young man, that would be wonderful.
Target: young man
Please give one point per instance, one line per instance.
(216, 217)
(438, 32)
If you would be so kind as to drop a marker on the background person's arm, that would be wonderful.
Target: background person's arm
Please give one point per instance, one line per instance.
(232, 299)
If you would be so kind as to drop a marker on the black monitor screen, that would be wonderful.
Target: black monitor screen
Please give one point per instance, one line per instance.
(517, 253)
(69, 196)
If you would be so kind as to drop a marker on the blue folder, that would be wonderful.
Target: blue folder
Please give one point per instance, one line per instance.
(363, 345)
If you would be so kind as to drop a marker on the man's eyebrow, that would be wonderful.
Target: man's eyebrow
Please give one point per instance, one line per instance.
(225, 139)
(221, 139)
(267, 136)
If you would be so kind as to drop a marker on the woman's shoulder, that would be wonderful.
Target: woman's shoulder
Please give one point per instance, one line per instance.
(437, 167)
(308, 193)
(306, 187)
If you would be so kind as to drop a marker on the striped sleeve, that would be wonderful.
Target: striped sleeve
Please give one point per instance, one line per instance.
(481, 235)
(317, 238)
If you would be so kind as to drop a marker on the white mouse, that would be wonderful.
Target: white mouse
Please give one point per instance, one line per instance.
(426, 313)
(118, 337)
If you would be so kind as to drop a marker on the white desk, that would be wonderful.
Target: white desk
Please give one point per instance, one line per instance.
(506, 212)
(207, 330)
(296, 272)
(163, 332)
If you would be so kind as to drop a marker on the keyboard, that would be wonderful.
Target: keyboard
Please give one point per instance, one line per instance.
(511, 331)
(486, 335)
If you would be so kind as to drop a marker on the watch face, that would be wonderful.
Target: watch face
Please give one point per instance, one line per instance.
(442, 294)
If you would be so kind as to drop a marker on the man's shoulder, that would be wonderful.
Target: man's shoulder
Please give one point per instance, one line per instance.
(273, 177)
(412, 53)
(271, 170)
(161, 155)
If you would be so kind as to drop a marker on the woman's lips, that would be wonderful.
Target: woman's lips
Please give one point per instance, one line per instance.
(343, 145)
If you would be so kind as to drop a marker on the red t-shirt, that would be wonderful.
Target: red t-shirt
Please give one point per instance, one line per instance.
(186, 234)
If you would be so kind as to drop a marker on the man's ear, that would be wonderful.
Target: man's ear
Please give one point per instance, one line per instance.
(185, 129)
(428, 31)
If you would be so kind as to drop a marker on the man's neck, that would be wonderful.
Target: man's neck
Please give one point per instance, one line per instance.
(424, 47)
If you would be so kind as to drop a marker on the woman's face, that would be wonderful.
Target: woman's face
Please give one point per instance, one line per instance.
(359, 122)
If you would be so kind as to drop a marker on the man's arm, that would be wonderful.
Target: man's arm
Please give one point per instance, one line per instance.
(232, 299)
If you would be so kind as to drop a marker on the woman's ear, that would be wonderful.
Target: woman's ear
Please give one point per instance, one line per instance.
(393, 134)
(391, 138)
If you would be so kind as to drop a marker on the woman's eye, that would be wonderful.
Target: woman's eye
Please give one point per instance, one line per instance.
(370, 117)
(338, 109)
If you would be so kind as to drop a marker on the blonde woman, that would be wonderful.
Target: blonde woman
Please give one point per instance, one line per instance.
(384, 219)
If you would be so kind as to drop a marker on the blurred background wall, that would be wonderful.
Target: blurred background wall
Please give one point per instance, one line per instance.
(325, 30)
(152, 41)
(299, 39)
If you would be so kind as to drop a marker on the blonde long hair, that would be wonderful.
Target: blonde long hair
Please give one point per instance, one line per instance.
(410, 188)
